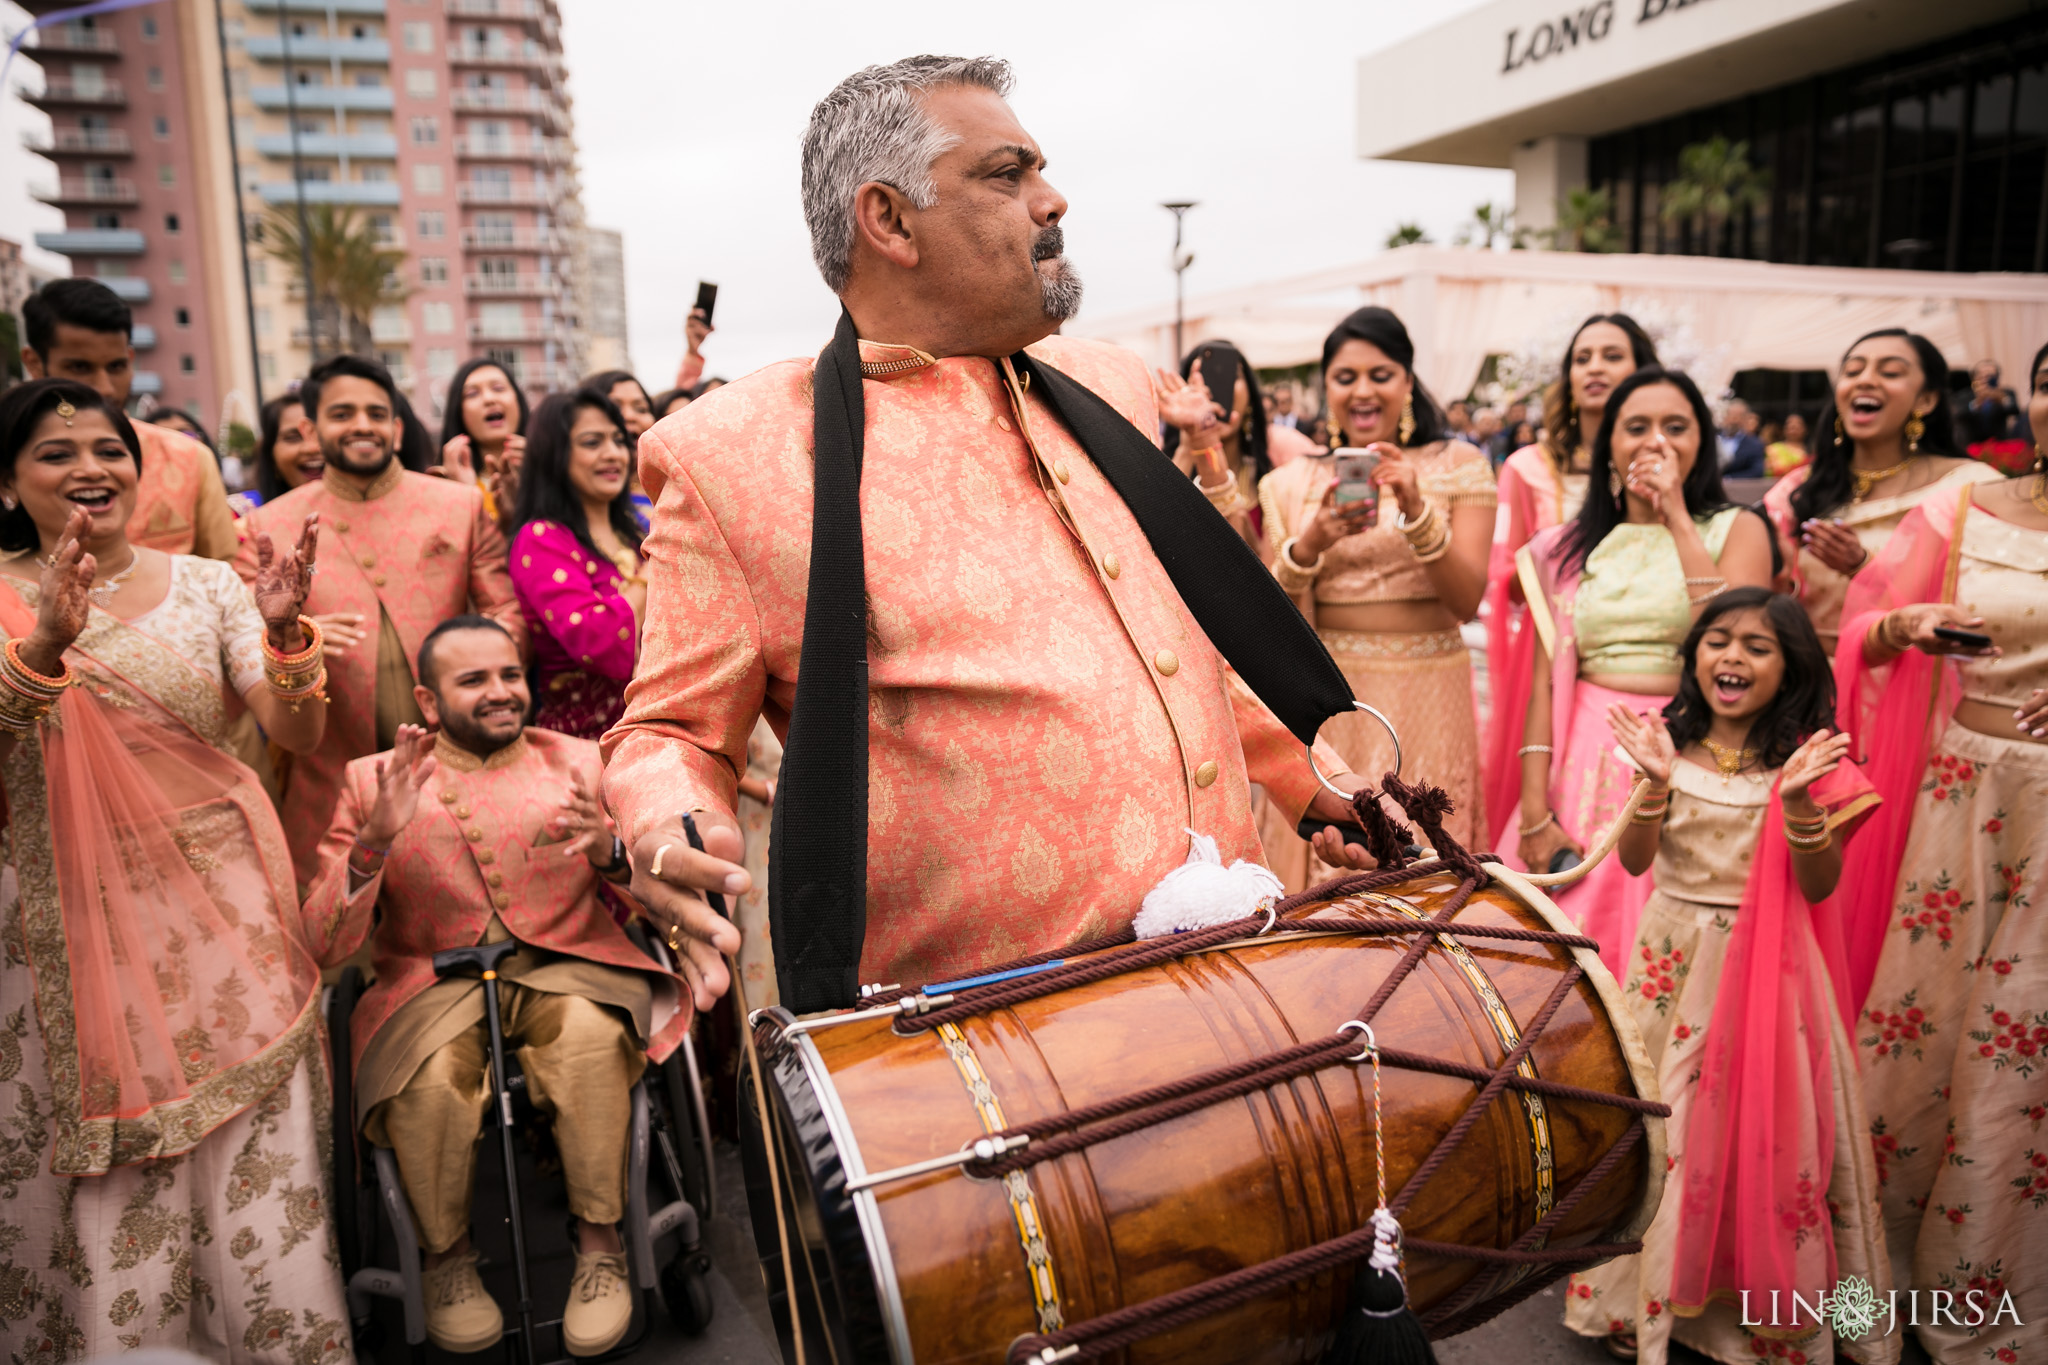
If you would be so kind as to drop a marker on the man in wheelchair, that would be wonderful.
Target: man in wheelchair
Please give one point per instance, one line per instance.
(483, 832)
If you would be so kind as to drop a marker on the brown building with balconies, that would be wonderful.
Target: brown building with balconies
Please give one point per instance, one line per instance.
(139, 167)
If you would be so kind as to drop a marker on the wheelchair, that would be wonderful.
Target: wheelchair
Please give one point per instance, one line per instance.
(669, 1144)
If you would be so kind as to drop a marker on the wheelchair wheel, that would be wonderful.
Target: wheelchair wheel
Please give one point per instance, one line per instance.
(347, 1203)
(686, 1291)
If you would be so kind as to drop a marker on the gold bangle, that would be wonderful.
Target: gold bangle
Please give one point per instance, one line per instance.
(1820, 845)
(292, 663)
(1536, 828)
(1435, 552)
(1419, 532)
(1294, 576)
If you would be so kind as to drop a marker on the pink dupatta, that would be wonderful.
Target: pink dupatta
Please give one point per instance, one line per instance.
(1760, 1144)
(1531, 499)
(1894, 713)
(157, 906)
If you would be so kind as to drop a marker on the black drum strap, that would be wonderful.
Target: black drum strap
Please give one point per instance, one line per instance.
(818, 841)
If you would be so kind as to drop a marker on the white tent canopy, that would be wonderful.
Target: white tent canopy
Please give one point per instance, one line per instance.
(1711, 316)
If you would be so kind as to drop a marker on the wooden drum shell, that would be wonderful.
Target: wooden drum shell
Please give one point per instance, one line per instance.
(939, 1269)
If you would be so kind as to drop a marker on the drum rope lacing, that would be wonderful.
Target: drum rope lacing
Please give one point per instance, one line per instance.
(1062, 1134)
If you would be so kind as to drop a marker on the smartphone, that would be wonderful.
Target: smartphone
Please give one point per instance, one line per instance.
(707, 298)
(1564, 860)
(1219, 373)
(1354, 478)
(1968, 639)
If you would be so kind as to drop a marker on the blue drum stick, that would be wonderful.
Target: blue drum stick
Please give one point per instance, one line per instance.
(968, 982)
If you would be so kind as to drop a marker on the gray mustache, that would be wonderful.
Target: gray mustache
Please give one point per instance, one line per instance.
(1050, 246)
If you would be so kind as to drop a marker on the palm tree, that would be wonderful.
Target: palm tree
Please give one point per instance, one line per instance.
(1715, 182)
(353, 273)
(1407, 234)
(1585, 222)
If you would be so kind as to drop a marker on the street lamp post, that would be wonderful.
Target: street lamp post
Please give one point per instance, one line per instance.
(1181, 261)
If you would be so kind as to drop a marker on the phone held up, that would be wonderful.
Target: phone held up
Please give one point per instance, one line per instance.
(1968, 639)
(1355, 487)
(707, 299)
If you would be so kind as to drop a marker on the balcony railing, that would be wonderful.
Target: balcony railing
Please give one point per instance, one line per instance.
(70, 41)
(548, 150)
(474, 239)
(56, 90)
(366, 98)
(369, 193)
(530, 194)
(319, 6)
(85, 191)
(92, 242)
(512, 286)
(526, 54)
(531, 10)
(366, 146)
(127, 288)
(80, 142)
(526, 329)
(312, 49)
(495, 99)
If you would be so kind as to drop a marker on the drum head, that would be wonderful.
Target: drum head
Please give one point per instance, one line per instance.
(835, 1301)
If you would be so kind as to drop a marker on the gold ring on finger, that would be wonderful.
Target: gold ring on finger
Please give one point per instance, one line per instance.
(675, 938)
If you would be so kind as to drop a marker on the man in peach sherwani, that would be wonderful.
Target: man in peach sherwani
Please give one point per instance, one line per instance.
(406, 552)
(482, 833)
(1046, 720)
(79, 329)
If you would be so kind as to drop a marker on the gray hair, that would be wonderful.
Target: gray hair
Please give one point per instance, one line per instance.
(873, 126)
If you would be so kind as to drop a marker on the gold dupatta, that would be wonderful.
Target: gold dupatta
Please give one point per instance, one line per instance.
(158, 911)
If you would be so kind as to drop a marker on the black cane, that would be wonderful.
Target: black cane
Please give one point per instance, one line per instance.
(487, 957)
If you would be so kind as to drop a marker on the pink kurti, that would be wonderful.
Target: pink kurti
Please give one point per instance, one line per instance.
(1047, 720)
(418, 549)
(478, 845)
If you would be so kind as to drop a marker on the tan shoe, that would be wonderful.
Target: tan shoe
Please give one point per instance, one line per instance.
(600, 1304)
(461, 1315)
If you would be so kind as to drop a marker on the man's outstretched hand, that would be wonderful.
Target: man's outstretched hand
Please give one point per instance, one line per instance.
(676, 900)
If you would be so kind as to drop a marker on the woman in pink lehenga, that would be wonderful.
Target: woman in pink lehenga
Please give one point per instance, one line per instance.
(1886, 443)
(1611, 595)
(1541, 486)
(163, 1097)
(1946, 915)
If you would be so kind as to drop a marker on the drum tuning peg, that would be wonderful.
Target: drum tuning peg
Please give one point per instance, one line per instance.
(1051, 1355)
(869, 992)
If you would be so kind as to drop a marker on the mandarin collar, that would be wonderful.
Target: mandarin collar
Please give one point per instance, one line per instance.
(337, 484)
(453, 755)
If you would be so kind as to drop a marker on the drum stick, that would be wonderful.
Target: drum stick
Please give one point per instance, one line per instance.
(1600, 849)
(768, 1133)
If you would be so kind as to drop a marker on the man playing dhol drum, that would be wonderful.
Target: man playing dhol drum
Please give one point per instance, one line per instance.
(1045, 719)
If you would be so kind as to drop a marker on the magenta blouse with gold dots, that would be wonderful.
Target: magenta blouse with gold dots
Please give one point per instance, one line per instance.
(581, 621)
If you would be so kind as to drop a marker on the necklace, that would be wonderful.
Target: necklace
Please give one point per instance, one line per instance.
(1729, 761)
(103, 591)
(1867, 479)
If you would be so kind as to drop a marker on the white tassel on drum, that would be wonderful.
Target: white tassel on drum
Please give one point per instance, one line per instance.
(1202, 892)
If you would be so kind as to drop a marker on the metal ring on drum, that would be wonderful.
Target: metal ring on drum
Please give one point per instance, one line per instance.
(1392, 734)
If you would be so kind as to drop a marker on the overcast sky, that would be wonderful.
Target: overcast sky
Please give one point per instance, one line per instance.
(688, 116)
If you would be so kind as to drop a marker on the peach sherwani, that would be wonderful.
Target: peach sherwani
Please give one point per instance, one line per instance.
(417, 549)
(478, 848)
(1046, 720)
(181, 507)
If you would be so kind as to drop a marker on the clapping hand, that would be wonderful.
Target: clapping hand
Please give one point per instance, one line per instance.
(400, 776)
(582, 822)
(458, 461)
(282, 582)
(1644, 739)
(1834, 545)
(65, 607)
(1187, 404)
(1822, 753)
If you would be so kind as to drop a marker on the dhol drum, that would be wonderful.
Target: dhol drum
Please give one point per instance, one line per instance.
(1201, 1140)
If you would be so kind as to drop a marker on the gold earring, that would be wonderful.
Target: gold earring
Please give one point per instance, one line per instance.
(66, 411)
(1915, 428)
(7, 501)
(1407, 417)
(1614, 483)
(1840, 432)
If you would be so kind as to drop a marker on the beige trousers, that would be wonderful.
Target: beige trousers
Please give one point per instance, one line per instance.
(580, 1060)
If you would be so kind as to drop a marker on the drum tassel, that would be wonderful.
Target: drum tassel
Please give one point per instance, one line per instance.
(1379, 1327)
